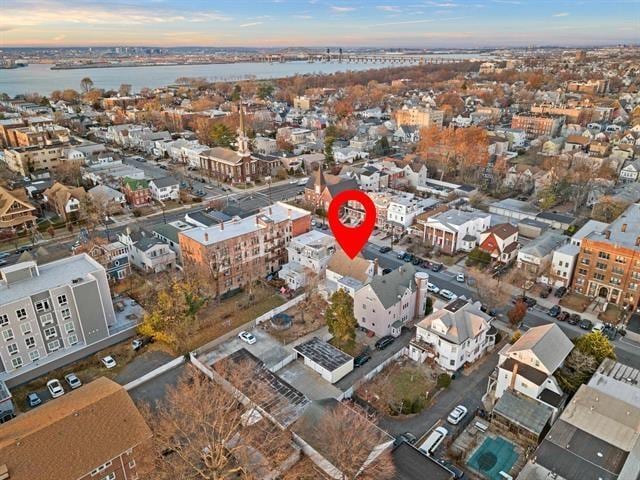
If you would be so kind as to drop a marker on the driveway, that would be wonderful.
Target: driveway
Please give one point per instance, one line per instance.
(155, 389)
(466, 390)
(141, 365)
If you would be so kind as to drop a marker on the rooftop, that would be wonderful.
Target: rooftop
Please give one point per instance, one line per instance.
(548, 342)
(524, 411)
(323, 353)
(624, 231)
(516, 206)
(388, 287)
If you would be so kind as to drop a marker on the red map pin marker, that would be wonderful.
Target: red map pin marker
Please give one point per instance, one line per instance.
(352, 239)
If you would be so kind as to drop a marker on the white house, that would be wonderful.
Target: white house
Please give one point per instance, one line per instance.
(630, 172)
(527, 366)
(563, 264)
(308, 254)
(456, 230)
(147, 252)
(457, 334)
(165, 188)
(535, 257)
(348, 274)
(416, 174)
(402, 210)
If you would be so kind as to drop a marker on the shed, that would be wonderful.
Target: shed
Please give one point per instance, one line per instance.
(322, 357)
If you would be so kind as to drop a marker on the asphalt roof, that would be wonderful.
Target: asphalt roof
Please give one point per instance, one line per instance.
(411, 464)
(524, 411)
(323, 353)
(527, 371)
(388, 287)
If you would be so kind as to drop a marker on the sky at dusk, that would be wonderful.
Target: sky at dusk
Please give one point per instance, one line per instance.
(277, 23)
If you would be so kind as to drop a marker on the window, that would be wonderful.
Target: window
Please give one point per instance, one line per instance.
(12, 348)
(34, 355)
(62, 300)
(101, 468)
(72, 339)
(42, 305)
(46, 319)
(69, 327)
(53, 346)
(25, 328)
(604, 255)
(16, 362)
(30, 342)
(50, 333)
(7, 334)
(598, 276)
(66, 314)
(21, 314)
(601, 266)
(4, 320)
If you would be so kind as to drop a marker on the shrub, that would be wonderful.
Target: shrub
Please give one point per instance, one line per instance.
(444, 381)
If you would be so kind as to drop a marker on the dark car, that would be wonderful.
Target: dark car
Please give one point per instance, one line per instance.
(586, 324)
(546, 291)
(426, 264)
(560, 291)
(563, 316)
(361, 359)
(436, 267)
(416, 261)
(385, 249)
(609, 331)
(384, 342)
(407, 257)
(574, 319)
(406, 437)
(386, 270)
(554, 311)
(531, 302)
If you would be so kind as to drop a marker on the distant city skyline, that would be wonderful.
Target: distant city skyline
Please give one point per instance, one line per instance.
(306, 23)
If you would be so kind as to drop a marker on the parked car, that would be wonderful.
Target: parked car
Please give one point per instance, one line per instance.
(531, 302)
(384, 342)
(33, 399)
(4, 254)
(416, 261)
(385, 249)
(400, 255)
(554, 311)
(247, 337)
(407, 257)
(386, 271)
(72, 380)
(563, 316)
(109, 361)
(55, 388)
(427, 264)
(447, 294)
(598, 327)
(460, 278)
(361, 359)
(432, 288)
(406, 437)
(586, 324)
(546, 291)
(457, 414)
(574, 319)
(609, 331)
(560, 291)
(140, 342)
(434, 440)
(436, 267)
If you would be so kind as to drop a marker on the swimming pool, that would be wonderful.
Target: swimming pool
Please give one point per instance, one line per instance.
(495, 455)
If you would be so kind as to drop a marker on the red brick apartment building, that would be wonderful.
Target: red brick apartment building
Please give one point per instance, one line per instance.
(608, 264)
(95, 432)
(242, 250)
(537, 125)
(137, 192)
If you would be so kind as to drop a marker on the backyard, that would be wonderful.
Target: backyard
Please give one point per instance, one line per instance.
(307, 316)
(401, 388)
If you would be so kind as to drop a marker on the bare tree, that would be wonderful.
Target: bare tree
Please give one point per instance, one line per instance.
(202, 431)
(490, 290)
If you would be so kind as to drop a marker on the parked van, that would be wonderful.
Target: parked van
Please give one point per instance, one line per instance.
(433, 441)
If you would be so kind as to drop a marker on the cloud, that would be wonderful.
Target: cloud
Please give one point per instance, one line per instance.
(251, 24)
(412, 22)
(562, 14)
(443, 4)
(508, 2)
(303, 17)
(59, 38)
(388, 8)
(342, 9)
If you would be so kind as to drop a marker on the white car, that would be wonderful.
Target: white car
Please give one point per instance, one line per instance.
(72, 380)
(457, 414)
(108, 361)
(55, 388)
(598, 327)
(247, 337)
(460, 277)
(293, 181)
(432, 288)
(448, 294)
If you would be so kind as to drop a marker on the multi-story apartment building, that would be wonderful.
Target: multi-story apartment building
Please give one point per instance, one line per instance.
(608, 264)
(308, 254)
(537, 125)
(573, 114)
(243, 250)
(8, 127)
(50, 310)
(24, 160)
(456, 230)
(454, 335)
(592, 87)
(41, 135)
(389, 302)
(421, 117)
(91, 433)
(137, 192)
(15, 212)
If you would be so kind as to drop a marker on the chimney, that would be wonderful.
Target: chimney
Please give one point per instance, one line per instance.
(514, 372)
(624, 227)
(206, 237)
(637, 241)
(289, 212)
(221, 225)
(607, 234)
(376, 267)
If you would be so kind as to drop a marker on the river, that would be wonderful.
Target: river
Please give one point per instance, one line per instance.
(41, 79)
